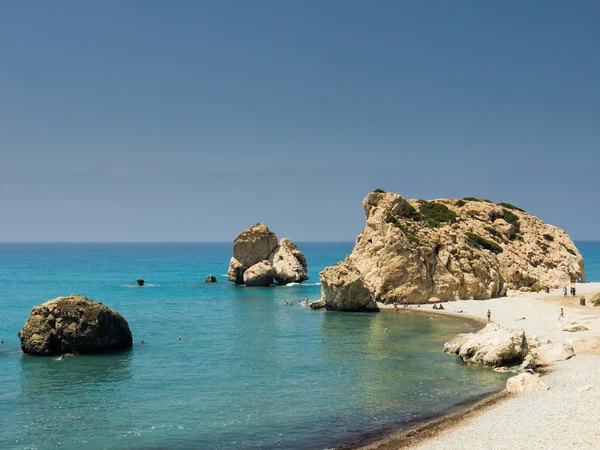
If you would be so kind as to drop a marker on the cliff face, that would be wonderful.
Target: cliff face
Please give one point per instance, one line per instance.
(454, 249)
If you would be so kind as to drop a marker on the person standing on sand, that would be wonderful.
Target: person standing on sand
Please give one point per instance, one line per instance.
(489, 316)
(574, 291)
(565, 291)
(406, 302)
(562, 314)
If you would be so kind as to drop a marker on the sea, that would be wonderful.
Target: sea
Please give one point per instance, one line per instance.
(312, 380)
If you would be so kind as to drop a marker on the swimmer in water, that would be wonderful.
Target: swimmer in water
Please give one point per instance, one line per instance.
(142, 341)
(385, 330)
(320, 339)
(306, 302)
(263, 330)
(180, 338)
(61, 357)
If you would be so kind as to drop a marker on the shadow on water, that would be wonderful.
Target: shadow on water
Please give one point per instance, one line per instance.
(46, 375)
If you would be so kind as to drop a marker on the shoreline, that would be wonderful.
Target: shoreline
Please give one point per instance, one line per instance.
(477, 425)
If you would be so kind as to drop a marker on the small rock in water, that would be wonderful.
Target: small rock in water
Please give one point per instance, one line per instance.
(210, 279)
(140, 282)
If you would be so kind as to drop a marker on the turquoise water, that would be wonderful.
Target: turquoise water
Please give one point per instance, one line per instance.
(225, 385)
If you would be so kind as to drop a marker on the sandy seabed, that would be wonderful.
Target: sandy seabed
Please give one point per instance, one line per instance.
(566, 416)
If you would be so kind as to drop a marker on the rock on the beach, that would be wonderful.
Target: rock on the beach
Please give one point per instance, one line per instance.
(525, 383)
(289, 263)
(585, 388)
(454, 344)
(552, 352)
(210, 279)
(74, 324)
(574, 327)
(345, 289)
(492, 346)
(260, 274)
(476, 249)
(250, 247)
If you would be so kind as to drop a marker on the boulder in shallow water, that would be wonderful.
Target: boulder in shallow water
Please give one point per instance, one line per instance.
(343, 289)
(140, 282)
(492, 346)
(74, 324)
(260, 274)
(210, 279)
(289, 263)
(250, 247)
(320, 304)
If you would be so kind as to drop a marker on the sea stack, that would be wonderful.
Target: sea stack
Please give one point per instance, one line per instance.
(450, 249)
(258, 259)
(210, 279)
(74, 324)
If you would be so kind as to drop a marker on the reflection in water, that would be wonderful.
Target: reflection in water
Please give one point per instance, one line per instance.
(48, 376)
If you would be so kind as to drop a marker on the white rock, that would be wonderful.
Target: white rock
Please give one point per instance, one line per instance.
(550, 353)
(260, 274)
(289, 263)
(525, 383)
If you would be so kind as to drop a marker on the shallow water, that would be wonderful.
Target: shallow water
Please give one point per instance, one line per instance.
(225, 385)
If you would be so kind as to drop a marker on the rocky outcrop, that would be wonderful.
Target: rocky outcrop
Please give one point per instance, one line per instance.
(74, 324)
(257, 248)
(493, 346)
(140, 282)
(552, 352)
(260, 274)
(210, 279)
(455, 249)
(525, 383)
(345, 290)
(288, 263)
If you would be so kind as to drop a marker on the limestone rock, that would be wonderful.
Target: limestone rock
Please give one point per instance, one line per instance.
(320, 304)
(74, 324)
(552, 352)
(343, 289)
(257, 245)
(478, 250)
(140, 282)
(250, 247)
(289, 263)
(525, 383)
(260, 274)
(492, 346)
(210, 279)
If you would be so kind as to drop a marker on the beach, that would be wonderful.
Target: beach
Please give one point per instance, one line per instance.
(564, 416)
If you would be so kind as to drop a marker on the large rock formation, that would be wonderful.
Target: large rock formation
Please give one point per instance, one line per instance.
(492, 346)
(258, 259)
(525, 383)
(345, 290)
(455, 249)
(74, 324)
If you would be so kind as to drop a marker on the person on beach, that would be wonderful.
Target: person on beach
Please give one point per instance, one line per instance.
(441, 306)
(435, 306)
(489, 316)
(565, 291)
(574, 291)
(406, 302)
(562, 314)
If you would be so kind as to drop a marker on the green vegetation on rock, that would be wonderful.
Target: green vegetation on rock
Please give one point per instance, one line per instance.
(509, 206)
(437, 211)
(379, 191)
(488, 245)
(471, 199)
(510, 217)
(548, 237)
(432, 223)
(493, 231)
(570, 250)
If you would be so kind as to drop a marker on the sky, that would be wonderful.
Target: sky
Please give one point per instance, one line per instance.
(193, 120)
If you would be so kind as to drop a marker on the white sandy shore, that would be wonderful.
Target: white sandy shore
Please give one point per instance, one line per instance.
(564, 417)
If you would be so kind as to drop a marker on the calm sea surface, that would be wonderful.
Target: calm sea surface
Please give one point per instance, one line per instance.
(225, 385)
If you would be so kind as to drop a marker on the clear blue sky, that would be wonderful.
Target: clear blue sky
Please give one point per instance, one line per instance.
(190, 121)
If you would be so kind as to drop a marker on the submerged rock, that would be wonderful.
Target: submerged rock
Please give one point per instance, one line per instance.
(456, 249)
(258, 245)
(345, 290)
(74, 324)
(320, 304)
(140, 282)
(492, 346)
(210, 279)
